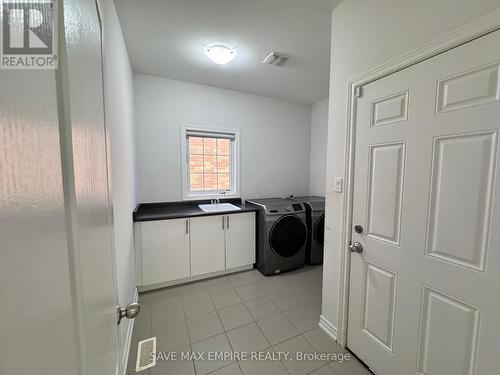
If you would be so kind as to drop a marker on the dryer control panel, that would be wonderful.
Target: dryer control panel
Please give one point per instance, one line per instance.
(285, 209)
(277, 206)
(288, 208)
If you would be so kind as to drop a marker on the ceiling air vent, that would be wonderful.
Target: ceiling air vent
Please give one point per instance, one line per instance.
(275, 58)
(146, 354)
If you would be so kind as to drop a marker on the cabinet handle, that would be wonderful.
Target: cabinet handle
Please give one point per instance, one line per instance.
(227, 225)
(187, 226)
(223, 223)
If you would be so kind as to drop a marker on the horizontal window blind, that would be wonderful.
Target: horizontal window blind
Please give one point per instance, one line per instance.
(205, 134)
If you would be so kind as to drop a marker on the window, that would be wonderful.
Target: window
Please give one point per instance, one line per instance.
(210, 163)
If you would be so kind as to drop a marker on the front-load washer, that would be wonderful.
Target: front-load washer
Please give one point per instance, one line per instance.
(315, 219)
(281, 235)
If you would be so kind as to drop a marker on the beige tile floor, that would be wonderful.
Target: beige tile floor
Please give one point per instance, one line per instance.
(242, 312)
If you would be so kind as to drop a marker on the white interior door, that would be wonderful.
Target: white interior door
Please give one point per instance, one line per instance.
(35, 290)
(57, 283)
(424, 292)
(85, 156)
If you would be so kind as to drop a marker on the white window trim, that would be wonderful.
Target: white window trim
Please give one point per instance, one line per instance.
(235, 183)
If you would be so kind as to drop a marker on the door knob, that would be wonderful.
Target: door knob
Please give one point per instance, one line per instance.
(356, 247)
(130, 311)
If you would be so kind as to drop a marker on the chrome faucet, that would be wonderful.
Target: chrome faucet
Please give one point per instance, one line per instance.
(217, 200)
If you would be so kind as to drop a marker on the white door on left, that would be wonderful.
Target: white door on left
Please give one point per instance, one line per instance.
(57, 282)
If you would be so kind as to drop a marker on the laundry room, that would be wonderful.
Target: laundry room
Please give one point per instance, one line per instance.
(230, 143)
(230, 140)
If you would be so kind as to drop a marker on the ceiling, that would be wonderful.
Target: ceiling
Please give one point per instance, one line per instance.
(167, 38)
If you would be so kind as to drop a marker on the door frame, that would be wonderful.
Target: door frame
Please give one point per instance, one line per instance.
(464, 34)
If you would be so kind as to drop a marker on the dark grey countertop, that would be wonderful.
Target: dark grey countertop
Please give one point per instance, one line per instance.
(184, 209)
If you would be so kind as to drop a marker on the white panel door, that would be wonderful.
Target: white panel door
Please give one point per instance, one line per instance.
(57, 285)
(165, 250)
(240, 239)
(34, 256)
(424, 292)
(85, 154)
(207, 244)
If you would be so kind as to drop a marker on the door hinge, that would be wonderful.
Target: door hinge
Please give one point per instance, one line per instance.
(357, 91)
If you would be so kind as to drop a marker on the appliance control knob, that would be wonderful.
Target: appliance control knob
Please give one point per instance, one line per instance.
(288, 207)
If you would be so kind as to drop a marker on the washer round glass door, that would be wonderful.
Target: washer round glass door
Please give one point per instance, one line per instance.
(288, 235)
(319, 230)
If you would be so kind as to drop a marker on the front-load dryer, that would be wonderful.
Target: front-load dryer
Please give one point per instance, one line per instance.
(315, 219)
(281, 236)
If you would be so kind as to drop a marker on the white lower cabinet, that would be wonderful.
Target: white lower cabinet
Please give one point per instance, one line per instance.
(165, 250)
(207, 244)
(240, 239)
(177, 249)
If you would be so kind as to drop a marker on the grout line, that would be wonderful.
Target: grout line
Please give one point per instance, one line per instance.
(238, 364)
(263, 334)
(219, 368)
(225, 334)
(222, 291)
(253, 320)
(187, 331)
(285, 340)
(220, 321)
(269, 316)
(231, 287)
(316, 369)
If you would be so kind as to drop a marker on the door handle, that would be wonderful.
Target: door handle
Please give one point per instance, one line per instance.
(187, 226)
(356, 247)
(223, 223)
(130, 311)
(227, 223)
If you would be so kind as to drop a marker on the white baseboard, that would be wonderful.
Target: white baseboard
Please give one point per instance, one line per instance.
(185, 280)
(128, 339)
(328, 327)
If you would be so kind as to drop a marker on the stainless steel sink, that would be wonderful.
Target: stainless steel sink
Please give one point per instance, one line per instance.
(216, 207)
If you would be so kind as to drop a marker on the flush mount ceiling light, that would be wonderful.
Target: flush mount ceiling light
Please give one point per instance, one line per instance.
(220, 54)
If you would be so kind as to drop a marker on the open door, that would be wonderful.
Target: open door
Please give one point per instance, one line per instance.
(87, 188)
(57, 277)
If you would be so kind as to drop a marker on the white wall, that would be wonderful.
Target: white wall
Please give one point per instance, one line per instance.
(319, 133)
(119, 121)
(274, 137)
(365, 34)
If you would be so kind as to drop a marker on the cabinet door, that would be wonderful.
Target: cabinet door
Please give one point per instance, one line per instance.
(240, 239)
(165, 250)
(207, 244)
